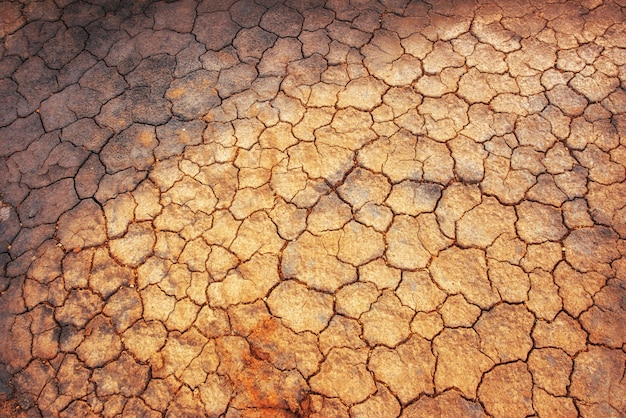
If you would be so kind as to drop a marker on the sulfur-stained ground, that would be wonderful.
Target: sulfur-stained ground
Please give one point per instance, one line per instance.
(316, 208)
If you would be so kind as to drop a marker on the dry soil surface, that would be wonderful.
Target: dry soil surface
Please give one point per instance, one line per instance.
(313, 208)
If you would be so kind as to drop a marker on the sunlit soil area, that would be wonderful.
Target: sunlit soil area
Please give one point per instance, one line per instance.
(340, 208)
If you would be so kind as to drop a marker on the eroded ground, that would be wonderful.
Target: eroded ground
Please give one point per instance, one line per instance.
(313, 208)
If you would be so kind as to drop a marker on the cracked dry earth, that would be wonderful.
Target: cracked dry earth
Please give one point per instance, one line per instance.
(313, 208)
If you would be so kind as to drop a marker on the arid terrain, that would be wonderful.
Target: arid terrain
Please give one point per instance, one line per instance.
(315, 208)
